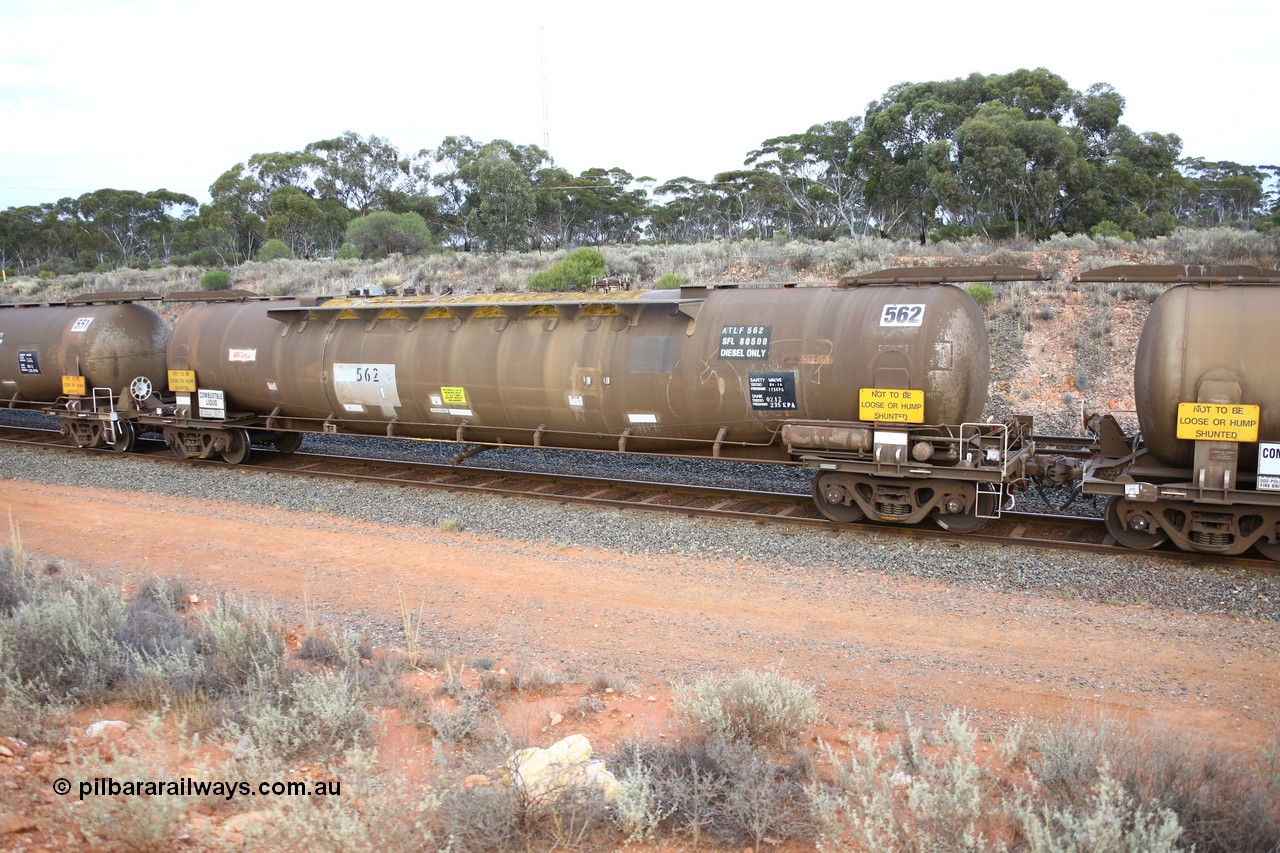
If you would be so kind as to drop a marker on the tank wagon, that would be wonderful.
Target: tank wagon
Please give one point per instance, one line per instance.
(880, 378)
(1204, 468)
(88, 360)
(877, 385)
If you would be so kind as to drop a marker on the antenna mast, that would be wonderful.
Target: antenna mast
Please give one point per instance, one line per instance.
(542, 55)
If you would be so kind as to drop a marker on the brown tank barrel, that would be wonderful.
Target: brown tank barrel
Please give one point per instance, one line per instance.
(658, 369)
(108, 344)
(1208, 343)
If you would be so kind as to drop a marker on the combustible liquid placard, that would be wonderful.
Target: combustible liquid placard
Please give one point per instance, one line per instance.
(1218, 422)
(894, 405)
(1269, 467)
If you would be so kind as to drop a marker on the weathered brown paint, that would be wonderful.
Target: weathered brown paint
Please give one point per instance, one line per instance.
(1208, 343)
(121, 342)
(591, 370)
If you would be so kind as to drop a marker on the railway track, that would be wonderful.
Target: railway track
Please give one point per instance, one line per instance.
(1026, 529)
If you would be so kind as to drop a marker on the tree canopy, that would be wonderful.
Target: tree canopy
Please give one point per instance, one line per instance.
(1002, 155)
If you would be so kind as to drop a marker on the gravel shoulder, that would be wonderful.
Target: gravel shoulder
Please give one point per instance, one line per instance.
(880, 625)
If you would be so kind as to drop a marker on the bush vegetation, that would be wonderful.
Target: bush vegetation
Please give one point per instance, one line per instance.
(736, 776)
(275, 250)
(711, 262)
(215, 280)
(384, 233)
(575, 272)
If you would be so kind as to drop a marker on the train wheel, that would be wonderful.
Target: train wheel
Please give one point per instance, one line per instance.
(1270, 550)
(959, 522)
(126, 437)
(288, 442)
(830, 491)
(1139, 540)
(237, 449)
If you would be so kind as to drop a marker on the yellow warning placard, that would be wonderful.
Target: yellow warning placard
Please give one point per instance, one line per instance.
(894, 405)
(73, 385)
(182, 380)
(454, 395)
(1218, 422)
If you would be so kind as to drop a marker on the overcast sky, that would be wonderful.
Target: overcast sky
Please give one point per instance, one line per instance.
(143, 94)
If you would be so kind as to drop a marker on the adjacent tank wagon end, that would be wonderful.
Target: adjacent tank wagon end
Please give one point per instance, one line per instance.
(90, 361)
(1204, 470)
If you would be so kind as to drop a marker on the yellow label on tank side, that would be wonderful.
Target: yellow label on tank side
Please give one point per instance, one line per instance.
(182, 380)
(455, 395)
(73, 385)
(1218, 422)
(895, 405)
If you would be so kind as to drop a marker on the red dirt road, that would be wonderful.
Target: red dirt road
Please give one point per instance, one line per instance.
(873, 646)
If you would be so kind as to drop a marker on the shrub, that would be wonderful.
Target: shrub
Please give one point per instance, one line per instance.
(275, 250)
(348, 251)
(215, 280)
(577, 270)
(136, 823)
(670, 281)
(981, 294)
(1107, 228)
(65, 639)
(380, 811)
(729, 791)
(383, 233)
(1108, 820)
(925, 802)
(761, 708)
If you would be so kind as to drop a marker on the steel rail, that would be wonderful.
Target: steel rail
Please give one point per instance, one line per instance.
(1040, 531)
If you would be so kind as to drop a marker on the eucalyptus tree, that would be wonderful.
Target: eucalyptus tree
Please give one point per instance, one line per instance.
(818, 175)
(906, 137)
(32, 234)
(128, 226)
(306, 225)
(1221, 191)
(486, 191)
(752, 203)
(382, 232)
(362, 173)
(504, 201)
(690, 212)
(609, 207)
(556, 203)
(1141, 182)
(1010, 168)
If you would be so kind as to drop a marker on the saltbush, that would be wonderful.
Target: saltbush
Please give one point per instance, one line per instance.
(763, 708)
